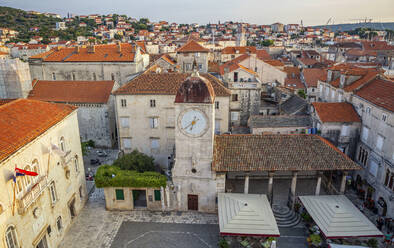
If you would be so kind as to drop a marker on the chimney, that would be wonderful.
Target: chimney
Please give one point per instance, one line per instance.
(91, 49)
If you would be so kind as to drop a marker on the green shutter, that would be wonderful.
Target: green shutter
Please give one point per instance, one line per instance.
(119, 194)
(157, 195)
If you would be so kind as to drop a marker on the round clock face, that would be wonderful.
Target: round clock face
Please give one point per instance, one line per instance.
(193, 122)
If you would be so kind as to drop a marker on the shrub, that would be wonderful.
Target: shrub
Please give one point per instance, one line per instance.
(373, 243)
(315, 239)
(113, 176)
(223, 243)
(136, 161)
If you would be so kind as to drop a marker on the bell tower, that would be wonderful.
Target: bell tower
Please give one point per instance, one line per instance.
(194, 135)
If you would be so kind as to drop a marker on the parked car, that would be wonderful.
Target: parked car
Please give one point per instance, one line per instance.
(101, 153)
(94, 161)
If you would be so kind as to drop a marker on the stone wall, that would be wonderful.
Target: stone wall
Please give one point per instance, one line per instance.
(15, 81)
(188, 58)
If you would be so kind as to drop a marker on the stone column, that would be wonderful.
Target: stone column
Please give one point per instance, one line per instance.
(162, 198)
(293, 188)
(246, 186)
(270, 186)
(318, 184)
(343, 183)
(168, 197)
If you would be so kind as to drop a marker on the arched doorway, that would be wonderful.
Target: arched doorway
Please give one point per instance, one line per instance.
(382, 203)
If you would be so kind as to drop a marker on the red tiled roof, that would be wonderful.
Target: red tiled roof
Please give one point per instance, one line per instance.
(274, 62)
(240, 49)
(102, 53)
(165, 84)
(72, 91)
(278, 152)
(308, 61)
(262, 54)
(233, 64)
(336, 112)
(23, 120)
(294, 83)
(192, 46)
(379, 92)
(376, 45)
(292, 71)
(311, 75)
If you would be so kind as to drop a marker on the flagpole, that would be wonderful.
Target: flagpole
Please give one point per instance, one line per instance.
(13, 203)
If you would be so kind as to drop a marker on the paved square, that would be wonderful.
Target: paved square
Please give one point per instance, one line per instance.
(145, 235)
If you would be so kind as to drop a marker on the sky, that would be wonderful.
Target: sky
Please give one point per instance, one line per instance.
(312, 12)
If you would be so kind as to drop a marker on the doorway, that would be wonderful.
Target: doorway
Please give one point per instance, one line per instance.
(192, 202)
(71, 206)
(139, 198)
(43, 243)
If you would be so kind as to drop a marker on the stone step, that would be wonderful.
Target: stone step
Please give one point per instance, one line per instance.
(285, 217)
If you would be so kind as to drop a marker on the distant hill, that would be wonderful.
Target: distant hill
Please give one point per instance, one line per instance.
(21, 21)
(353, 26)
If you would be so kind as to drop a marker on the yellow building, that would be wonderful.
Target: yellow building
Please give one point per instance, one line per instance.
(44, 138)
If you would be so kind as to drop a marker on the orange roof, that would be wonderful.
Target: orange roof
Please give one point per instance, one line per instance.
(168, 59)
(192, 46)
(23, 120)
(294, 83)
(263, 55)
(5, 101)
(274, 62)
(239, 50)
(246, 69)
(233, 64)
(3, 53)
(336, 112)
(379, 92)
(292, 71)
(102, 53)
(311, 75)
(72, 91)
(165, 84)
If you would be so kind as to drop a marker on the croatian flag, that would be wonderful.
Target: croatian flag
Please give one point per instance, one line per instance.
(19, 172)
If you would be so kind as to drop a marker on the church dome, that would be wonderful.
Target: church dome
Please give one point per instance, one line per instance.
(195, 89)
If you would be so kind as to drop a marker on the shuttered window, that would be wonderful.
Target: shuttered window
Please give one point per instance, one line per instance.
(119, 194)
(157, 195)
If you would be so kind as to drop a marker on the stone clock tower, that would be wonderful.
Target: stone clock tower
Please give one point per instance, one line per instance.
(194, 135)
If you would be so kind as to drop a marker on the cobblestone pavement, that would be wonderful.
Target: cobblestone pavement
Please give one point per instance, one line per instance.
(96, 227)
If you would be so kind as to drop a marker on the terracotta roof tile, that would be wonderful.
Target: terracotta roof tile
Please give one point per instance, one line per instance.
(23, 120)
(311, 75)
(278, 153)
(240, 50)
(294, 83)
(5, 101)
(379, 92)
(192, 46)
(233, 64)
(165, 84)
(102, 53)
(336, 112)
(292, 71)
(274, 62)
(263, 55)
(72, 91)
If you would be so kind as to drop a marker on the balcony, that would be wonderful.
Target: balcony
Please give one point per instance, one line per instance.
(31, 195)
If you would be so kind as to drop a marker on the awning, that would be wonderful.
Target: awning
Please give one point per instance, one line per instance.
(246, 215)
(337, 217)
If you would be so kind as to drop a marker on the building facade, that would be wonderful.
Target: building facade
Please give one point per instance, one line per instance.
(15, 81)
(44, 138)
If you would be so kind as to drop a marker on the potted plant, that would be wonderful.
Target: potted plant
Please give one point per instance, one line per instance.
(223, 243)
(315, 240)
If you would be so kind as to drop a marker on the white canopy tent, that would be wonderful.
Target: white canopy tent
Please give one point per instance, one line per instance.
(246, 215)
(337, 217)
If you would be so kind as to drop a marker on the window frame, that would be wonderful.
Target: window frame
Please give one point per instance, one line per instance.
(153, 103)
(11, 230)
(53, 193)
(116, 194)
(59, 221)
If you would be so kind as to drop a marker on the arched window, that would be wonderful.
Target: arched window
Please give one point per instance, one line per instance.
(76, 163)
(10, 238)
(36, 168)
(53, 76)
(27, 179)
(62, 144)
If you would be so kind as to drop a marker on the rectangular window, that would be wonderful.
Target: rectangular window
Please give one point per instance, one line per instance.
(384, 117)
(234, 116)
(217, 126)
(379, 142)
(52, 190)
(153, 103)
(235, 76)
(154, 122)
(124, 122)
(199, 67)
(364, 134)
(157, 195)
(216, 105)
(368, 110)
(123, 103)
(119, 194)
(234, 97)
(373, 168)
(59, 223)
(155, 145)
(127, 143)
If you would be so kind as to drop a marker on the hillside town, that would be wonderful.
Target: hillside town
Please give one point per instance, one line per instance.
(123, 132)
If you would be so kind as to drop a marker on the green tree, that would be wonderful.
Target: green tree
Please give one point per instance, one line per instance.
(135, 161)
(301, 93)
(267, 43)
